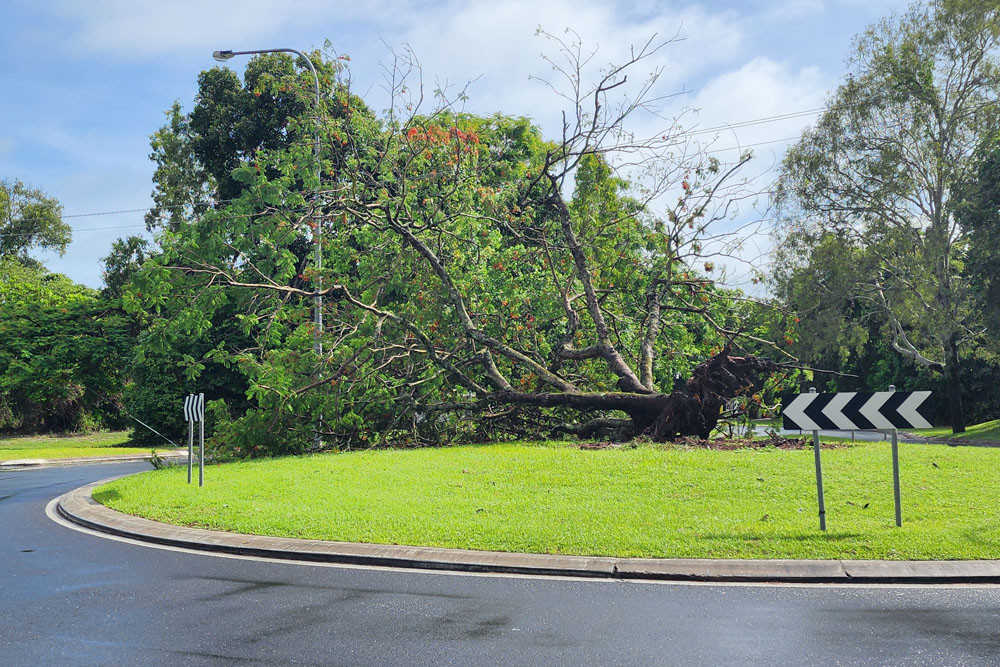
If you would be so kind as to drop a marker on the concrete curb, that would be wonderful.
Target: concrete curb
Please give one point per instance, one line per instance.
(79, 507)
(15, 464)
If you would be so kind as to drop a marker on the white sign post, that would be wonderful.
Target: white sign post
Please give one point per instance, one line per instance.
(194, 411)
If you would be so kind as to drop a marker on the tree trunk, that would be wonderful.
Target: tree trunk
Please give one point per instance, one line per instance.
(954, 389)
(690, 411)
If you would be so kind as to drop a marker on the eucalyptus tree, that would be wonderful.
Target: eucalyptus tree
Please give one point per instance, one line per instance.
(881, 167)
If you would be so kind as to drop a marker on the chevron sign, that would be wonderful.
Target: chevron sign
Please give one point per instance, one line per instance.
(854, 411)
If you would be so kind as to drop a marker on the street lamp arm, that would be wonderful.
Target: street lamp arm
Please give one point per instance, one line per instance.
(223, 56)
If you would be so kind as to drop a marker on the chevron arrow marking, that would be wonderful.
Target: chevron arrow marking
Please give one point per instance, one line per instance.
(835, 411)
(855, 411)
(908, 410)
(814, 411)
(795, 415)
(870, 410)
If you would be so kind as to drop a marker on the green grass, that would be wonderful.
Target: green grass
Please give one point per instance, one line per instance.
(68, 446)
(647, 501)
(986, 431)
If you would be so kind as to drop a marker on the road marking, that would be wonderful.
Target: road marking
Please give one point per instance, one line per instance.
(51, 513)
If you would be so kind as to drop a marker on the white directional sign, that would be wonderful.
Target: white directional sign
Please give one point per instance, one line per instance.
(194, 411)
(194, 408)
(855, 411)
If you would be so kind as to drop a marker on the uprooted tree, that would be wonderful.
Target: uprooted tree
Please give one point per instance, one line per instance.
(475, 278)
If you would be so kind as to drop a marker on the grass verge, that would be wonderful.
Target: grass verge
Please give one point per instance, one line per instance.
(986, 431)
(68, 446)
(554, 498)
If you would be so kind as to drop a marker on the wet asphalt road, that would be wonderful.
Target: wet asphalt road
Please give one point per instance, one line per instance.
(68, 598)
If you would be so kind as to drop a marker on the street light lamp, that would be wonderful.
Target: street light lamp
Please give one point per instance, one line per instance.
(223, 56)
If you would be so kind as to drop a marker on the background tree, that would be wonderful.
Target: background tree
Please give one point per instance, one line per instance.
(881, 167)
(979, 213)
(30, 219)
(63, 353)
(126, 257)
(195, 154)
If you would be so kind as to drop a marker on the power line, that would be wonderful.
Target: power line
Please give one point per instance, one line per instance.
(126, 210)
(756, 121)
(217, 217)
(708, 130)
(99, 229)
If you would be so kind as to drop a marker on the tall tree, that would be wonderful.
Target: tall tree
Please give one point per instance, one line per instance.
(882, 165)
(196, 153)
(30, 219)
(979, 212)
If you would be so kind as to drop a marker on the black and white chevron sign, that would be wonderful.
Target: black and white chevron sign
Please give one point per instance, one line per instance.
(194, 408)
(854, 411)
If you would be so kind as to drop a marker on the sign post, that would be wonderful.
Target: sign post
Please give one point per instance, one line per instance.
(194, 411)
(886, 411)
(190, 441)
(819, 475)
(895, 470)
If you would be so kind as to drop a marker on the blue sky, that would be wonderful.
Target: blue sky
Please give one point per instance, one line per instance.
(86, 83)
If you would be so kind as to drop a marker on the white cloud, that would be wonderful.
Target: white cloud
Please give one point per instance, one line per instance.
(761, 88)
(454, 40)
(145, 28)
(451, 42)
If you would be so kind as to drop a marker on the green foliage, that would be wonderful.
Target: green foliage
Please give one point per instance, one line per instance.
(63, 353)
(125, 258)
(979, 212)
(29, 219)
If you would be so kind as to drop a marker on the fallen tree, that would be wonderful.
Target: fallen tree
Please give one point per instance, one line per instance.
(476, 279)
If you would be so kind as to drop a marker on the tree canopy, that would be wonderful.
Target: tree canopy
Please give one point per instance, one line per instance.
(63, 352)
(30, 219)
(881, 167)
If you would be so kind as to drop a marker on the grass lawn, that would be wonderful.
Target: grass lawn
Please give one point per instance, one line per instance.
(986, 431)
(68, 446)
(554, 498)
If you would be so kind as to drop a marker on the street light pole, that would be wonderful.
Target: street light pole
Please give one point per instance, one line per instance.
(223, 56)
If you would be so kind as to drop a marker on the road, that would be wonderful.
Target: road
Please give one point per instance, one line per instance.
(866, 436)
(70, 598)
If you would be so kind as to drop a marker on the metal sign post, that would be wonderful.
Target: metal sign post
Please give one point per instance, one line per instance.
(194, 411)
(819, 475)
(190, 444)
(895, 471)
(885, 411)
